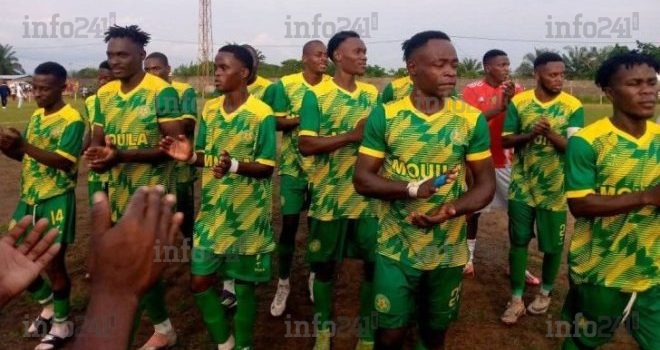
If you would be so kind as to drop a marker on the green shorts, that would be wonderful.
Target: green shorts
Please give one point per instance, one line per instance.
(403, 293)
(294, 194)
(342, 238)
(550, 227)
(595, 313)
(185, 203)
(93, 187)
(59, 210)
(249, 268)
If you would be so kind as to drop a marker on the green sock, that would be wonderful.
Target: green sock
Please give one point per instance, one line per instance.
(41, 291)
(518, 264)
(551, 264)
(367, 312)
(246, 315)
(322, 302)
(213, 314)
(285, 259)
(154, 302)
(61, 306)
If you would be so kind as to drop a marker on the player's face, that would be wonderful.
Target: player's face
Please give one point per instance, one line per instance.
(433, 68)
(633, 91)
(157, 67)
(551, 76)
(498, 68)
(351, 56)
(125, 57)
(230, 74)
(47, 90)
(316, 59)
(105, 76)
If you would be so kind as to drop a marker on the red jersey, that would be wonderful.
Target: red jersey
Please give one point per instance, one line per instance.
(486, 97)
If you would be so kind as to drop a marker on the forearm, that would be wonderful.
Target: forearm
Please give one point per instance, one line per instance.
(256, 170)
(149, 156)
(313, 145)
(475, 198)
(599, 205)
(286, 124)
(50, 159)
(557, 141)
(373, 185)
(516, 140)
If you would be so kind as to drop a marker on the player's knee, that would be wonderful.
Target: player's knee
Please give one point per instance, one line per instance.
(199, 284)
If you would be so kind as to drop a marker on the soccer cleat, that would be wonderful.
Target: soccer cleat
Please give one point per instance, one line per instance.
(468, 269)
(364, 345)
(322, 341)
(228, 299)
(540, 305)
(278, 305)
(310, 286)
(514, 309)
(531, 280)
(159, 341)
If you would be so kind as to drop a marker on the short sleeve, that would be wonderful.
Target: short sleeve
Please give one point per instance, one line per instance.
(373, 140)
(511, 120)
(479, 144)
(189, 104)
(167, 105)
(70, 143)
(388, 93)
(266, 151)
(280, 103)
(576, 119)
(99, 116)
(580, 168)
(200, 142)
(269, 95)
(310, 115)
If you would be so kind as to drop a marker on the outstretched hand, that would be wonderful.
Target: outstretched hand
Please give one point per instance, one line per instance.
(179, 148)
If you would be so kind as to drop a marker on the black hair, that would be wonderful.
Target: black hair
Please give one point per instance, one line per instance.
(420, 39)
(52, 68)
(104, 65)
(492, 54)
(159, 56)
(337, 39)
(242, 54)
(132, 32)
(611, 65)
(547, 57)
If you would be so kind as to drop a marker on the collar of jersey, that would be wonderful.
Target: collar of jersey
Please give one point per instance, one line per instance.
(643, 140)
(425, 116)
(125, 96)
(546, 104)
(43, 111)
(230, 116)
(353, 94)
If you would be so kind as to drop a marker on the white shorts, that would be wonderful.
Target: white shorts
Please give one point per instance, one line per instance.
(501, 199)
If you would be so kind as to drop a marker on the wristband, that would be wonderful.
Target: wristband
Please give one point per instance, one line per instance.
(233, 168)
(193, 159)
(440, 180)
(413, 188)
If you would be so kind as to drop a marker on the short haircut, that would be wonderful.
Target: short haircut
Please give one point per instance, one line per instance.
(132, 32)
(241, 53)
(308, 45)
(420, 39)
(159, 56)
(547, 57)
(51, 68)
(611, 65)
(492, 54)
(104, 65)
(337, 39)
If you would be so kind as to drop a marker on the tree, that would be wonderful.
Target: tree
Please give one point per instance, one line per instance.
(399, 73)
(8, 62)
(375, 71)
(469, 68)
(191, 69)
(89, 72)
(649, 49)
(291, 66)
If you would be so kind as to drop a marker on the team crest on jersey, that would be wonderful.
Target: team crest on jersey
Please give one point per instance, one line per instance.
(314, 246)
(382, 303)
(457, 137)
(143, 111)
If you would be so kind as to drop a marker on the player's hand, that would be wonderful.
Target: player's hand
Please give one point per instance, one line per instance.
(19, 266)
(222, 168)
(358, 131)
(10, 139)
(102, 158)
(652, 195)
(541, 127)
(179, 148)
(440, 215)
(429, 187)
(124, 258)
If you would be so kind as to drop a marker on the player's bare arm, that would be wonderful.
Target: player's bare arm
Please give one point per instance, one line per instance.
(15, 146)
(602, 205)
(312, 145)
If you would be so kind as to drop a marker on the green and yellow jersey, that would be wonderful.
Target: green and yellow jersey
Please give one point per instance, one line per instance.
(132, 122)
(619, 251)
(415, 146)
(288, 93)
(235, 211)
(186, 173)
(90, 103)
(397, 89)
(62, 133)
(328, 110)
(537, 173)
(262, 89)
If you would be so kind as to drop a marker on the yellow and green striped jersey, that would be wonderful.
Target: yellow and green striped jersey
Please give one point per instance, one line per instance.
(397, 89)
(90, 103)
(620, 251)
(537, 173)
(328, 110)
(62, 133)
(235, 211)
(188, 101)
(132, 121)
(288, 94)
(262, 89)
(415, 146)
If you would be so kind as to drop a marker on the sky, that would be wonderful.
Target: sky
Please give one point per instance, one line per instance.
(516, 27)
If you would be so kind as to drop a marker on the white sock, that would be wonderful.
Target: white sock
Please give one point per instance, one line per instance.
(472, 243)
(229, 286)
(61, 329)
(284, 282)
(48, 311)
(516, 298)
(228, 345)
(163, 327)
(545, 292)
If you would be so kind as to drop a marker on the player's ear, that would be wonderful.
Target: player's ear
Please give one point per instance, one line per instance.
(411, 67)
(609, 92)
(245, 73)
